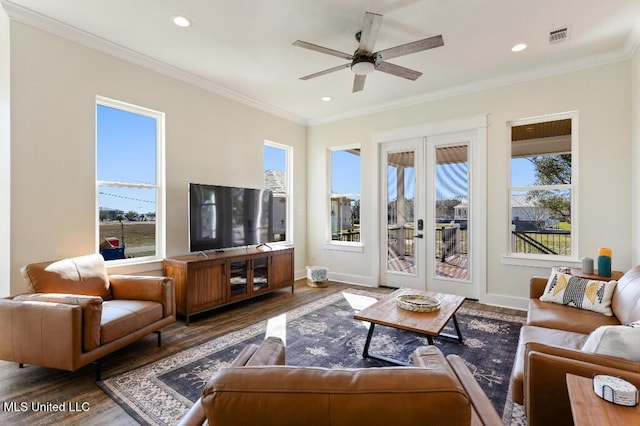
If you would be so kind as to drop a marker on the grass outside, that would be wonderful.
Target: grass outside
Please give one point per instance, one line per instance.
(139, 237)
(559, 243)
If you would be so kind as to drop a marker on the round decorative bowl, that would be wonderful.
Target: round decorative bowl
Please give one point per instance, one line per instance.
(418, 303)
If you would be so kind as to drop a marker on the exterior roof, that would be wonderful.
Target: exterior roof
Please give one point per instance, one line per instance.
(275, 180)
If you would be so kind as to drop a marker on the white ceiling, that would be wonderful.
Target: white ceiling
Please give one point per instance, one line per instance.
(242, 48)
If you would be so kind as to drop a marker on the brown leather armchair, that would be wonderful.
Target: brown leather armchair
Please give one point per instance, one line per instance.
(259, 389)
(76, 313)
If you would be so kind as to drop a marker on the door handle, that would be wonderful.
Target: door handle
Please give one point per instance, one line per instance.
(418, 236)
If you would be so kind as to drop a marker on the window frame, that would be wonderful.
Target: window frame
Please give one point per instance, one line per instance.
(545, 260)
(159, 187)
(330, 244)
(288, 164)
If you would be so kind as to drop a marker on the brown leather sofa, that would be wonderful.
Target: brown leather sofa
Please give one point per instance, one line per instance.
(259, 389)
(76, 313)
(550, 347)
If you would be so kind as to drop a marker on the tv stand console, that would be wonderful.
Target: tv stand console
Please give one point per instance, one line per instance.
(206, 283)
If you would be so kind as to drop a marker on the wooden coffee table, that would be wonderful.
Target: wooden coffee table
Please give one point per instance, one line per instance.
(386, 312)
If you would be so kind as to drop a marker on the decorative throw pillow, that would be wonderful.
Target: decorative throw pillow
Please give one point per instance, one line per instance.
(580, 293)
(620, 341)
(91, 313)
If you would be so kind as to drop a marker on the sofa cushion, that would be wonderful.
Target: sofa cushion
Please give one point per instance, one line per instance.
(621, 341)
(626, 297)
(91, 313)
(579, 292)
(563, 317)
(84, 275)
(315, 396)
(547, 336)
(123, 317)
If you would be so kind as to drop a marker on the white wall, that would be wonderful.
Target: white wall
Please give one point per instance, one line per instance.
(602, 97)
(209, 139)
(635, 158)
(5, 157)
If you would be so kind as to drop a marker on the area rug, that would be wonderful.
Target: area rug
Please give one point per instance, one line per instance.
(322, 333)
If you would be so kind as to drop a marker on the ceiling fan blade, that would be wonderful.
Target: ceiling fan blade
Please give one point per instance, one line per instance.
(358, 83)
(321, 49)
(330, 70)
(413, 47)
(399, 71)
(369, 32)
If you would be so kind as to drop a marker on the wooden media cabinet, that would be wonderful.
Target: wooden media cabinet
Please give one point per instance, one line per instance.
(208, 281)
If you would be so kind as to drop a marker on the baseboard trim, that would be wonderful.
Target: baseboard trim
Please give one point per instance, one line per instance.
(505, 301)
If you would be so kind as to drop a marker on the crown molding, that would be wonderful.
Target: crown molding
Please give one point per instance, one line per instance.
(481, 85)
(633, 41)
(29, 17)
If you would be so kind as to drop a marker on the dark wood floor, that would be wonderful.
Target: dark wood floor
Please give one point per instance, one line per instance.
(41, 386)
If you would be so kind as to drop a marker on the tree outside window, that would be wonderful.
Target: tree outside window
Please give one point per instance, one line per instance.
(542, 188)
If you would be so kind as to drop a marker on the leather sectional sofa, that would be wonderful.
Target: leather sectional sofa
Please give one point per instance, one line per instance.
(551, 345)
(76, 313)
(259, 389)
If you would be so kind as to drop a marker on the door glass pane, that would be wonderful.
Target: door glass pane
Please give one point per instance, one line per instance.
(400, 212)
(452, 212)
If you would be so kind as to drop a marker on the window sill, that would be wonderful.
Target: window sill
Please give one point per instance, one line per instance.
(540, 261)
(132, 267)
(344, 246)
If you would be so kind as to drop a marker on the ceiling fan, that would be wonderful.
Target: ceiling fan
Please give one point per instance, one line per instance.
(364, 59)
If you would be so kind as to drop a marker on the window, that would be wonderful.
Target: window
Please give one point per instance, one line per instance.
(543, 186)
(345, 194)
(129, 181)
(277, 178)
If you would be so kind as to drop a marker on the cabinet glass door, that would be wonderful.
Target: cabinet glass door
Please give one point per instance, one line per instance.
(238, 279)
(260, 274)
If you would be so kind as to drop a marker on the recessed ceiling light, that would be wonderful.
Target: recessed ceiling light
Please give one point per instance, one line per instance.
(519, 47)
(181, 21)
(326, 98)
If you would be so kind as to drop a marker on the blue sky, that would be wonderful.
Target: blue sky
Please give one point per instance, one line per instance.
(126, 153)
(345, 173)
(274, 158)
(522, 172)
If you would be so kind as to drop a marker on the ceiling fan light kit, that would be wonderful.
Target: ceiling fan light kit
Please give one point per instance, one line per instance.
(364, 60)
(362, 65)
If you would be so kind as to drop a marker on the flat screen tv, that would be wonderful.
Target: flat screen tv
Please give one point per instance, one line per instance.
(223, 217)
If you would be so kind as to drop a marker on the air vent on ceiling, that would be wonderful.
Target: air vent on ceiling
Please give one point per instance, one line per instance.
(558, 35)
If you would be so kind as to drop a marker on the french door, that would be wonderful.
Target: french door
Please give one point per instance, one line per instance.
(428, 232)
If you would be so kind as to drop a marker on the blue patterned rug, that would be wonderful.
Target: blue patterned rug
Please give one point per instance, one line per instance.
(322, 333)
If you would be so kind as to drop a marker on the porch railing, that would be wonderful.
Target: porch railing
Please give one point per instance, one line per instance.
(449, 240)
(541, 242)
